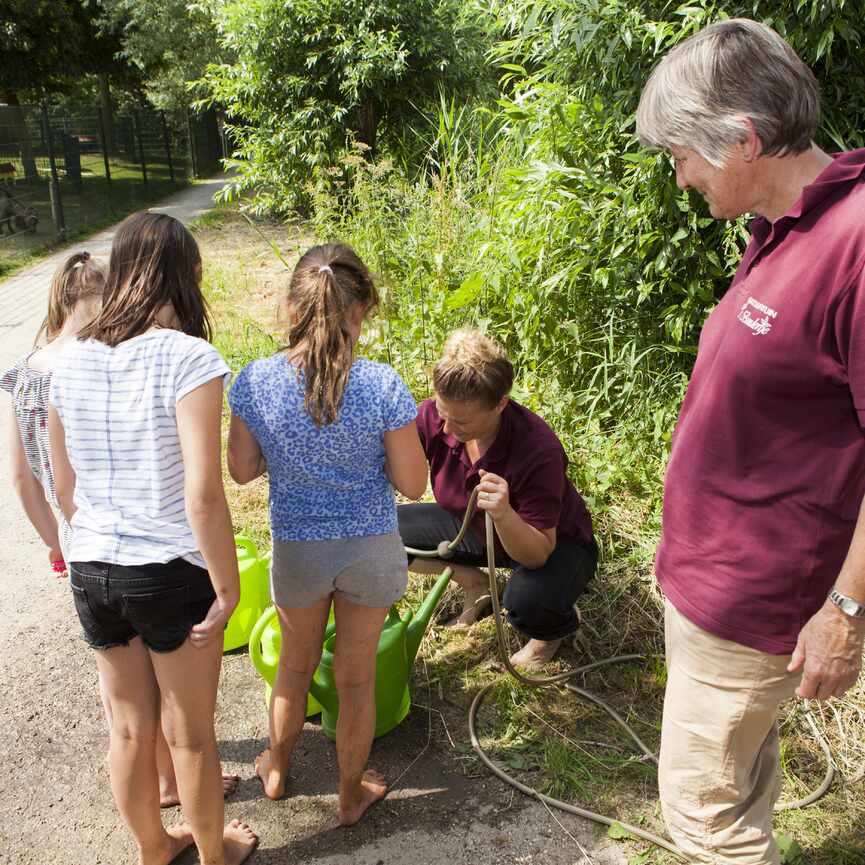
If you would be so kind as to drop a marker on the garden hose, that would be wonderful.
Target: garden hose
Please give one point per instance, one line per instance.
(445, 551)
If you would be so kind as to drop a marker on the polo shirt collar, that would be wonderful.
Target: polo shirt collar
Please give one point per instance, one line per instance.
(501, 446)
(845, 167)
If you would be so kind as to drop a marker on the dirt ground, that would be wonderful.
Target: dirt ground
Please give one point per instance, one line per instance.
(56, 806)
(55, 802)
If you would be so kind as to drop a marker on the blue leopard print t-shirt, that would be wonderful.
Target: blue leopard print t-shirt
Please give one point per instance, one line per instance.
(326, 482)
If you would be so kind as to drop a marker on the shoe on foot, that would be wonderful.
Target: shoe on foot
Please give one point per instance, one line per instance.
(535, 654)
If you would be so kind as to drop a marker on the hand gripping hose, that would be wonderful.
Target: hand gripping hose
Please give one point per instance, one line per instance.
(445, 551)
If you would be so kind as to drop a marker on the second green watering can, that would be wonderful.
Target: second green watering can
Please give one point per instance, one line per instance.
(397, 647)
(254, 593)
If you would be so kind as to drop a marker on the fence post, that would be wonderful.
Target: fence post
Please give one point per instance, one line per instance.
(57, 215)
(167, 141)
(103, 140)
(193, 158)
(136, 125)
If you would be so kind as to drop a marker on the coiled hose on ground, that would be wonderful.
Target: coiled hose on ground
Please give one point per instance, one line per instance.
(445, 551)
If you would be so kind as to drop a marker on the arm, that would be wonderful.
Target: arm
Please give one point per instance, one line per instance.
(405, 461)
(61, 468)
(245, 459)
(524, 543)
(829, 648)
(198, 424)
(31, 493)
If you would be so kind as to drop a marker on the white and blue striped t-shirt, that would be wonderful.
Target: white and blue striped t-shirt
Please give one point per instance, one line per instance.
(117, 406)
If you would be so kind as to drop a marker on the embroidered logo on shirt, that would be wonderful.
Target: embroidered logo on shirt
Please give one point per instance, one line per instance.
(758, 326)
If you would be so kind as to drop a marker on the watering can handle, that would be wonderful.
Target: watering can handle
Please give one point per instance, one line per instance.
(246, 544)
(255, 654)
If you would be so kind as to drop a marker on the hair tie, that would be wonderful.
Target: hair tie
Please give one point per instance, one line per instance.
(326, 268)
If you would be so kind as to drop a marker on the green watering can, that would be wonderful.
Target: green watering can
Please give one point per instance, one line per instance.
(397, 647)
(254, 594)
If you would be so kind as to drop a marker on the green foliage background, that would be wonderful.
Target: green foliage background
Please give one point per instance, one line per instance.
(528, 208)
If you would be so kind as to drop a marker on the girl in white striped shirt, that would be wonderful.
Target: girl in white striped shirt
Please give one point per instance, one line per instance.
(135, 437)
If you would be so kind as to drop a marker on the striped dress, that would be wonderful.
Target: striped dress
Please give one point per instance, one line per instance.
(29, 390)
(118, 409)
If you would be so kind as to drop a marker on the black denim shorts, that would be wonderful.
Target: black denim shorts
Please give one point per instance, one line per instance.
(158, 602)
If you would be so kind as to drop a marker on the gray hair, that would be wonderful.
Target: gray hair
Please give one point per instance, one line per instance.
(700, 94)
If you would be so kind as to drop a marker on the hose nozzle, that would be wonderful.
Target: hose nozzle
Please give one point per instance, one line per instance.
(444, 550)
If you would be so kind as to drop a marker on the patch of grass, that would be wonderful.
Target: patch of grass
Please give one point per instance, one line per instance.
(88, 208)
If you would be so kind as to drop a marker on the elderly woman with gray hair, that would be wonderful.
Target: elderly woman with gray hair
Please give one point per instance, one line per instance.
(762, 556)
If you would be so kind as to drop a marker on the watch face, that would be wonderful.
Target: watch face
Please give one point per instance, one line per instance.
(850, 607)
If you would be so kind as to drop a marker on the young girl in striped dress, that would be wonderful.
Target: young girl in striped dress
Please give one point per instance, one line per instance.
(134, 426)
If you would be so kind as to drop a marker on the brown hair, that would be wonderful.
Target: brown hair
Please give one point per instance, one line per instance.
(327, 281)
(154, 261)
(473, 368)
(79, 278)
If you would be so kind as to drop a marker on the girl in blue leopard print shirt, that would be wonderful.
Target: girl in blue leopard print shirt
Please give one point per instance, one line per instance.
(335, 434)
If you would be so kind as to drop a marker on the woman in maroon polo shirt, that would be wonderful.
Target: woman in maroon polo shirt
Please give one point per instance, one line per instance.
(475, 435)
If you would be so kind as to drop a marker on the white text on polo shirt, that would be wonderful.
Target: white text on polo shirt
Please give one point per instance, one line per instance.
(758, 326)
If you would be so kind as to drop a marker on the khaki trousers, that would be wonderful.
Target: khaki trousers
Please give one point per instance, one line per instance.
(719, 772)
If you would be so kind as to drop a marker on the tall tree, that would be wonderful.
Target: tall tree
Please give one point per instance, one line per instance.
(47, 45)
(307, 74)
(169, 43)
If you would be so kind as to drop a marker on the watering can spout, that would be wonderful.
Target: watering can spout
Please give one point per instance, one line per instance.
(421, 619)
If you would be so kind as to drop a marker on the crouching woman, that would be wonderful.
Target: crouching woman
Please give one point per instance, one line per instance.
(475, 435)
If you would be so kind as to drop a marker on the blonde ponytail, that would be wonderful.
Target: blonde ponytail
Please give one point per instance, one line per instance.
(79, 278)
(326, 284)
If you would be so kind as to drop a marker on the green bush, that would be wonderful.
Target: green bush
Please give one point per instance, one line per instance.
(309, 75)
(543, 220)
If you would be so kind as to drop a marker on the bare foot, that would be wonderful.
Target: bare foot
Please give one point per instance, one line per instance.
(168, 796)
(273, 777)
(373, 788)
(178, 839)
(476, 602)
(238, 841)
(535, 654)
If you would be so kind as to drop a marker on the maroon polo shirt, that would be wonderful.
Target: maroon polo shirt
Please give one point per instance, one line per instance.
(526, 453)
(767, 470)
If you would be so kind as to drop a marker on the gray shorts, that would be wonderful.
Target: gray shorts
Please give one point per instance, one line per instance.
(369, 570)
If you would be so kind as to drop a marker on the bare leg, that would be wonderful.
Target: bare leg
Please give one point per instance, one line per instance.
(131, 697)
(168, 796)
(188, 679)
(165, 768)
(358, 629)
(475, 585)
(302, 638)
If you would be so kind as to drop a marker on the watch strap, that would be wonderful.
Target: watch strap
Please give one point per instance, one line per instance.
(849, 606)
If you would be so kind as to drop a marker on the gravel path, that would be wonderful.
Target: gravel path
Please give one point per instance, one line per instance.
(55, 802)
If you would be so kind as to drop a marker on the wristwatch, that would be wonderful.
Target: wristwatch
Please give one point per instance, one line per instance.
(847, 605)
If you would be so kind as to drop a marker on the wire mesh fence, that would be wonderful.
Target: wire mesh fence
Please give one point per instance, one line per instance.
(64, 173)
